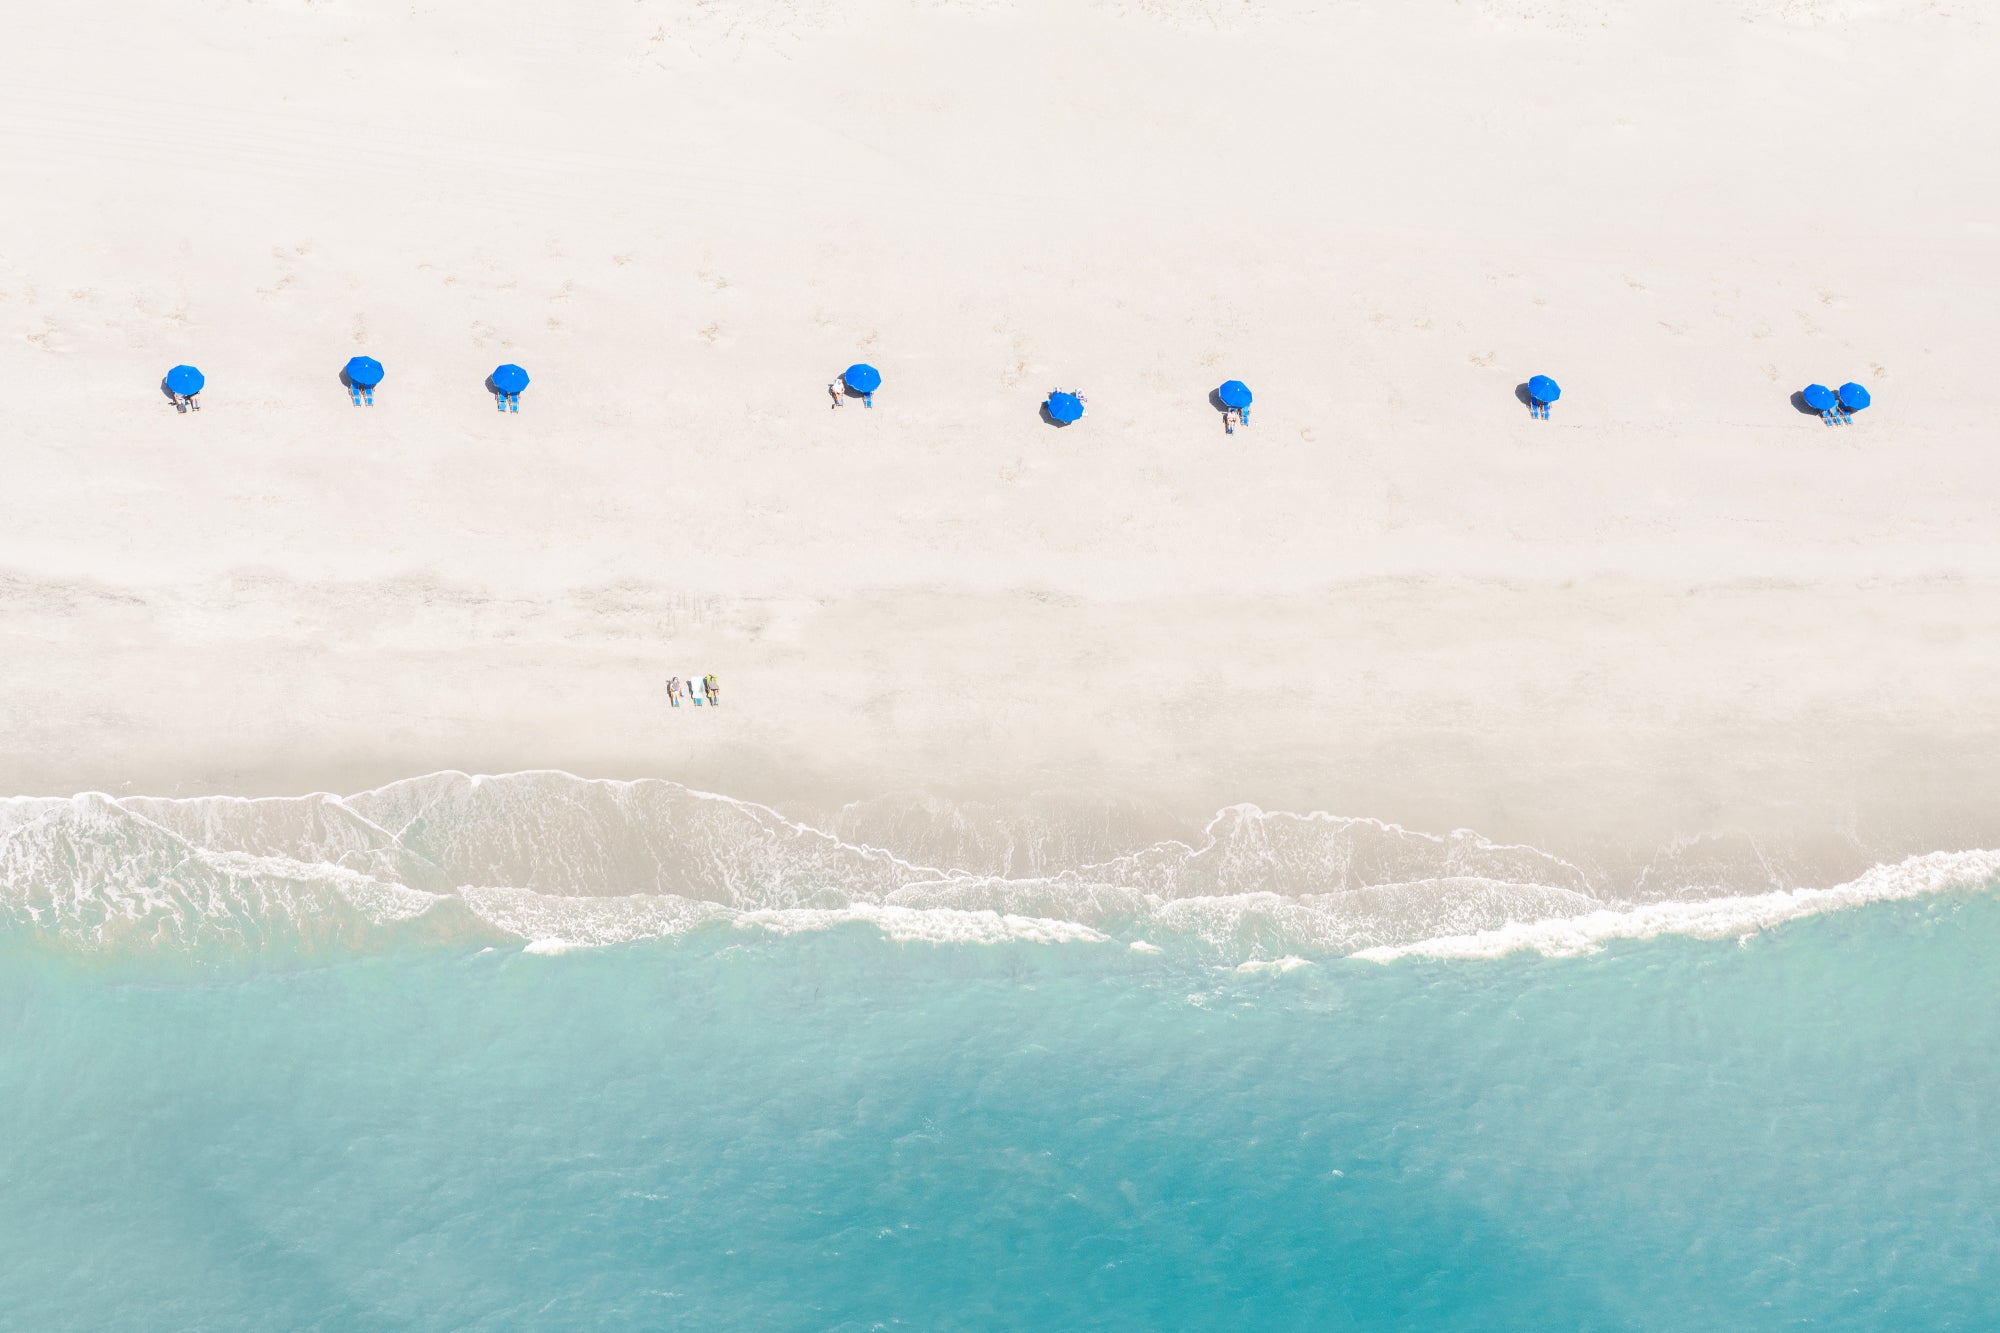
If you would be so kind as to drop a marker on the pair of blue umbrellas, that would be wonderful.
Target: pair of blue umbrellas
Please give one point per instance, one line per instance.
(1067, 407)
(1831, 404)
(508, 380)
(188, 381)
(367, 372)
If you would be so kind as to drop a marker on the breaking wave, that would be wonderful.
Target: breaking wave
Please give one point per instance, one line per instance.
(554, 862)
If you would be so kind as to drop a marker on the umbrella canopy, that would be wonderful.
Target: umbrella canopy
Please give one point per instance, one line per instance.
(1818, 397)
(862, 377)
(1234, 393)
(1853, 397)
(185, 381)
(1543, 389)
(510, 378)
(1065, 407)
(364, 370)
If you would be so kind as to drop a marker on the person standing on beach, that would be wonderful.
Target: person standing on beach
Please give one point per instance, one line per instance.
(713, 689)
(674, 690)
(833, 389)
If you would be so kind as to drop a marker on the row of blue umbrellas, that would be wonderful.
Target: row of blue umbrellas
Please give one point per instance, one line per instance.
(363, 370)
(510, 379)
(1833, 405)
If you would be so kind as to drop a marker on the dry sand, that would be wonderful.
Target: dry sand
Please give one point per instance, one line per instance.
(1678, 608)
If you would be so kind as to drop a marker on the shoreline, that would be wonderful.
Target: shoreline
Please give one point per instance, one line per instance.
(1812, 730)
(555, 863)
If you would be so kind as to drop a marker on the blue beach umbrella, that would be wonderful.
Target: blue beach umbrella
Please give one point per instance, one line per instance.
(364, 370)
(1543, 389)
(1065, 407)
(1818, 397)
(510, 378)
(1234, 393)
(185, 381)
(1853, 397)
(862, 377)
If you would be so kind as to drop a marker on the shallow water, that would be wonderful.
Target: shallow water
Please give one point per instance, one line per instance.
(730, 1128)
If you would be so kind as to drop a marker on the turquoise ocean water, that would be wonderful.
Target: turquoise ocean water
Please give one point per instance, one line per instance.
(747, 1124)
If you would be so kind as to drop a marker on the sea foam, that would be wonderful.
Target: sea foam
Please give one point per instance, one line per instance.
(559, 862)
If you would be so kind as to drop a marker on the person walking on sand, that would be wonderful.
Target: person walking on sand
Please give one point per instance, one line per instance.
(713, 689)
(674, 690)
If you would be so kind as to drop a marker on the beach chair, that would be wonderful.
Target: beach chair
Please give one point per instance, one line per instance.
(513, 402)
(368, 394)
(354, 393)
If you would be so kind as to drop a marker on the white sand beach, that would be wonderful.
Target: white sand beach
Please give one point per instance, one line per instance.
(1681, 613)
